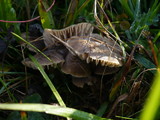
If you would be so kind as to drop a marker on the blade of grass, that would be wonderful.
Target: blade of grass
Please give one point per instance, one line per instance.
(122, 75)
(145, 62)
(125, 118)
(131, 5)
(109, 22)
(83, 6)
(102, 109)
(11, 73)
(99, 22)
(126, 7)
(4, 87)
(55, 92)
(137, 9)
(156, 37)
(53, 110)
(11, 96)
(155, 5)
(71, 13)
(7, 12)
(46, 17)
(152, 103)
(155, 11)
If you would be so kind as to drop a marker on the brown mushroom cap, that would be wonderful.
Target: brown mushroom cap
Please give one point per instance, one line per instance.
(75, 67)
(97, 49)
(81, 29)
(52, 54)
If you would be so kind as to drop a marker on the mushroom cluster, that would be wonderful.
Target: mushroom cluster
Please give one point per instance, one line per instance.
(79, 52)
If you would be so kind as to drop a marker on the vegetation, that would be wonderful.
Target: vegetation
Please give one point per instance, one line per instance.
(132, 93)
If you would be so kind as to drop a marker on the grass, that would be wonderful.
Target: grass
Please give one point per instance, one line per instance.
(54, 110)
(134, 24)
(152, 103)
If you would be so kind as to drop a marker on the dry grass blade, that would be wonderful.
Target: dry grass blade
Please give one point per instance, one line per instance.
(64, 43)
(118, 100)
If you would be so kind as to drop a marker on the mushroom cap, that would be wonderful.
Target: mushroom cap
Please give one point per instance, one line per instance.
(81, 29)
(75, 66)
(97, 49)
(52, 54)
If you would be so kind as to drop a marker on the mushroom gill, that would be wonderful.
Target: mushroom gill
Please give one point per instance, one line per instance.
(54, 56)
(81, 29)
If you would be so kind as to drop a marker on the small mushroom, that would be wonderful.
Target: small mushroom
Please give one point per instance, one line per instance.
(75, 66)
(55, 57)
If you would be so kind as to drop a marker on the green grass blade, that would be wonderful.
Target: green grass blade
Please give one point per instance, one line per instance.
(7, 12)
(46, 17)
(55, 92)
(155, 4)
(71, 13)
(83, 6)
(154, 12)
(8, 91)
(126, 7)
(156, 37)
(51, 109)
(137, 9)
(145, 62)
(153, 102)
(4, 86)
(131, 5)
(125, 118)
(102, 109)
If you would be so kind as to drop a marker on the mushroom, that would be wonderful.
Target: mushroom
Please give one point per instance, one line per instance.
(75, 66)
(80, 53)
(55, 57)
